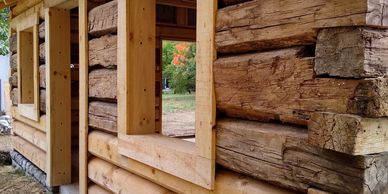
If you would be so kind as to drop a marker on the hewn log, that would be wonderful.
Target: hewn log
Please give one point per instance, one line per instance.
(103, 115)
(13, 45)
(103, 51)
(105, 146)
(348, 134)
(42, 104)
(42, 76)
(119, 180)
(95, 189)
(42, 53)
(103, 19)
(13, 80)
(31, 152)
(258, 25)
(352, 52)
(281, 155)
(13, 62)
(103, 84)
(280, 85)
(231, 2)
(14, 96)
(316, 191)
(30, 134)
(42, 30)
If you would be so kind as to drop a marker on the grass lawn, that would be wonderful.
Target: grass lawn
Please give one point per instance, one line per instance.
(178, 102)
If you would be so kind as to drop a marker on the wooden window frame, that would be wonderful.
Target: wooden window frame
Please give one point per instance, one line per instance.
(193, 162)
(29, 23)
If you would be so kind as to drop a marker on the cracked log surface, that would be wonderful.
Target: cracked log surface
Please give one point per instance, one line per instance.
(281, 85)
(103, 84)
(103, 51)
(103, 19)
(103, 115)
(350, 134)
(259, 25)
(354, 52)
(281, 155)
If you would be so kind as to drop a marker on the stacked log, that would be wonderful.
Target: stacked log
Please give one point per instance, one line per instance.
(319, 66)
(13, 79)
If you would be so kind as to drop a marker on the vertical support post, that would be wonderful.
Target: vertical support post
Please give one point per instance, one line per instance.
(83, 96)
(136, 67)
(205, 97)
(58, 99)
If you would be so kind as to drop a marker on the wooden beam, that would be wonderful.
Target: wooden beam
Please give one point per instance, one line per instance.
(32, 135)
(105, 146)
(136, 67)
(83, 96)
(95, 189)
(28, 150)
(41, 125)
(179, 3)
(58, 99)
(205, 103)
(63, 4)
(118, 180)
(23, 6)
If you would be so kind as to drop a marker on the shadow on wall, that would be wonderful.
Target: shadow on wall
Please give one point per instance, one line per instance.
(4, 76)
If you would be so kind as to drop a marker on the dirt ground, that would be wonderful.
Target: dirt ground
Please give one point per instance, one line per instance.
(13, 181)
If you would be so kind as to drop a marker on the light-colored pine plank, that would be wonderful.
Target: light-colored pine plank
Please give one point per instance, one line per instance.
(58, 100)
(34, 136)
(28, 150)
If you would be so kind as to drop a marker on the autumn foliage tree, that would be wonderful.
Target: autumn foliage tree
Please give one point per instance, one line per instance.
(179, 65)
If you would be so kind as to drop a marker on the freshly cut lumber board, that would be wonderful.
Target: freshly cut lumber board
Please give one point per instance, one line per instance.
(280, 85)
(118, 180)
(105, 146)
(353, 52)
(30, 134)
(103, 115)
(103, 84)
(31, 152)
(103, 51)
(281, 155)
(258, 25)
(103, 19)
(350, 134)
(95, 189)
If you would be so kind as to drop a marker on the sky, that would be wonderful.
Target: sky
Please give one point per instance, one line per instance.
(4, 75)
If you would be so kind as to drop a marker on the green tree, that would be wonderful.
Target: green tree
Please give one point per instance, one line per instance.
(179, 65)
(4, 31)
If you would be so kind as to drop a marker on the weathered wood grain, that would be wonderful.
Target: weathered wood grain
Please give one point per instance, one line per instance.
(42, 30)
(103, 84)
(103, 115)
(354, 52)
(13, 80)
(281, 155)
(42, 76)
(14, 96)
(103, 19)
(348, 134)
(42, 104)
(223, 3)
(280, 85)
(258, 25)
(42, 53)
(103, 51)
(13, 43)
(13, 63)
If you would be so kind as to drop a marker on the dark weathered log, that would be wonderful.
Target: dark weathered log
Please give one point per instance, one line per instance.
(103, 84)
(95, 3)
(42, 104)
(42, 30)
(258, 25)
(223, 3)
(13, 62)
(103, 19)
(281, 155)
(14, 96)
(13, 45)
(352, 52)
(348, 134)
(103, 115)
(280, 85)
(103, 51)
(42, 76)
(42, 53)
(13, 80)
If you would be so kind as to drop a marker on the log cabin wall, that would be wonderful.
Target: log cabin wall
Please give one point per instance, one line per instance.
(301, 93)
